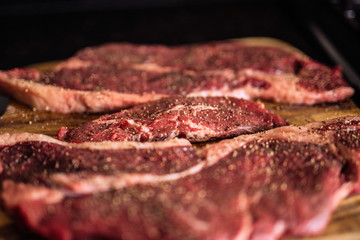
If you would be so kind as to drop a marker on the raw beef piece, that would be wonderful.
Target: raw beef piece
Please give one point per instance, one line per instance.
(31, 158)
(195, 118)
(197, 57)
(261, 186)
(306, 170)
(252, 64)
(40, 96)
(115, 76)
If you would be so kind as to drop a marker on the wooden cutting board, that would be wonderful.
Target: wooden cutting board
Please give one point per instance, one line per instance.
(344, 223)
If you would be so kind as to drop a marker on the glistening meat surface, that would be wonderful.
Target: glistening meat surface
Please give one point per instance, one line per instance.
(194, 118)
(119, 75)
(261, 186)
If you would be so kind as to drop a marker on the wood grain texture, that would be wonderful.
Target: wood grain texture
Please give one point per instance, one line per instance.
(344, 223)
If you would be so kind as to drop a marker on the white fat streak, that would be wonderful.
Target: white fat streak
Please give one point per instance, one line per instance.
(348, 119)
(151, 67)
(247, 92)
(271, 233)
(242, 92)
(15, 193)
(98, 182)
(176, 108)
(8, 139)
(237, 93)
(198, 107)
(195, 125)
(70, 100)
(73, 63)
(219, 150)
(197, 224)
(14, 138)
(203, 131)
(246, 228)
(293, 94)
(192, 135)
(116, 120)
(130, 121)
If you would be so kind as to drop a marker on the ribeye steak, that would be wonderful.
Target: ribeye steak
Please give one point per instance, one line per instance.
(119, 75)
(261, 186)
(195, 118)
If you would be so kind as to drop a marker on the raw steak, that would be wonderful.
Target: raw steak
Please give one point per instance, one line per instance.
(195, 118)
(283, 181)
(294, 176)
(35, 158)
(118, 75)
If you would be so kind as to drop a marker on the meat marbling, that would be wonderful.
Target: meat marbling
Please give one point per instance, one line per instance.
(227, 190)
(197, 119)
(115, 76)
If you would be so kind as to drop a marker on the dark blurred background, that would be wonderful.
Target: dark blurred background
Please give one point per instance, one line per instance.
(44, 30)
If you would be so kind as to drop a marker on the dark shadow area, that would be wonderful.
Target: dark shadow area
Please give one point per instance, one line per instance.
(40, 31)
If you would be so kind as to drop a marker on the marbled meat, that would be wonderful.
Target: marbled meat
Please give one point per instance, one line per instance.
(197, 119)
(118, 75)
(284, 181)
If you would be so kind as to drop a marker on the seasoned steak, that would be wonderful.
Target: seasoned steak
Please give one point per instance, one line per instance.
(195, 118)
(261, 186)
(115, 76)
(44, 161)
